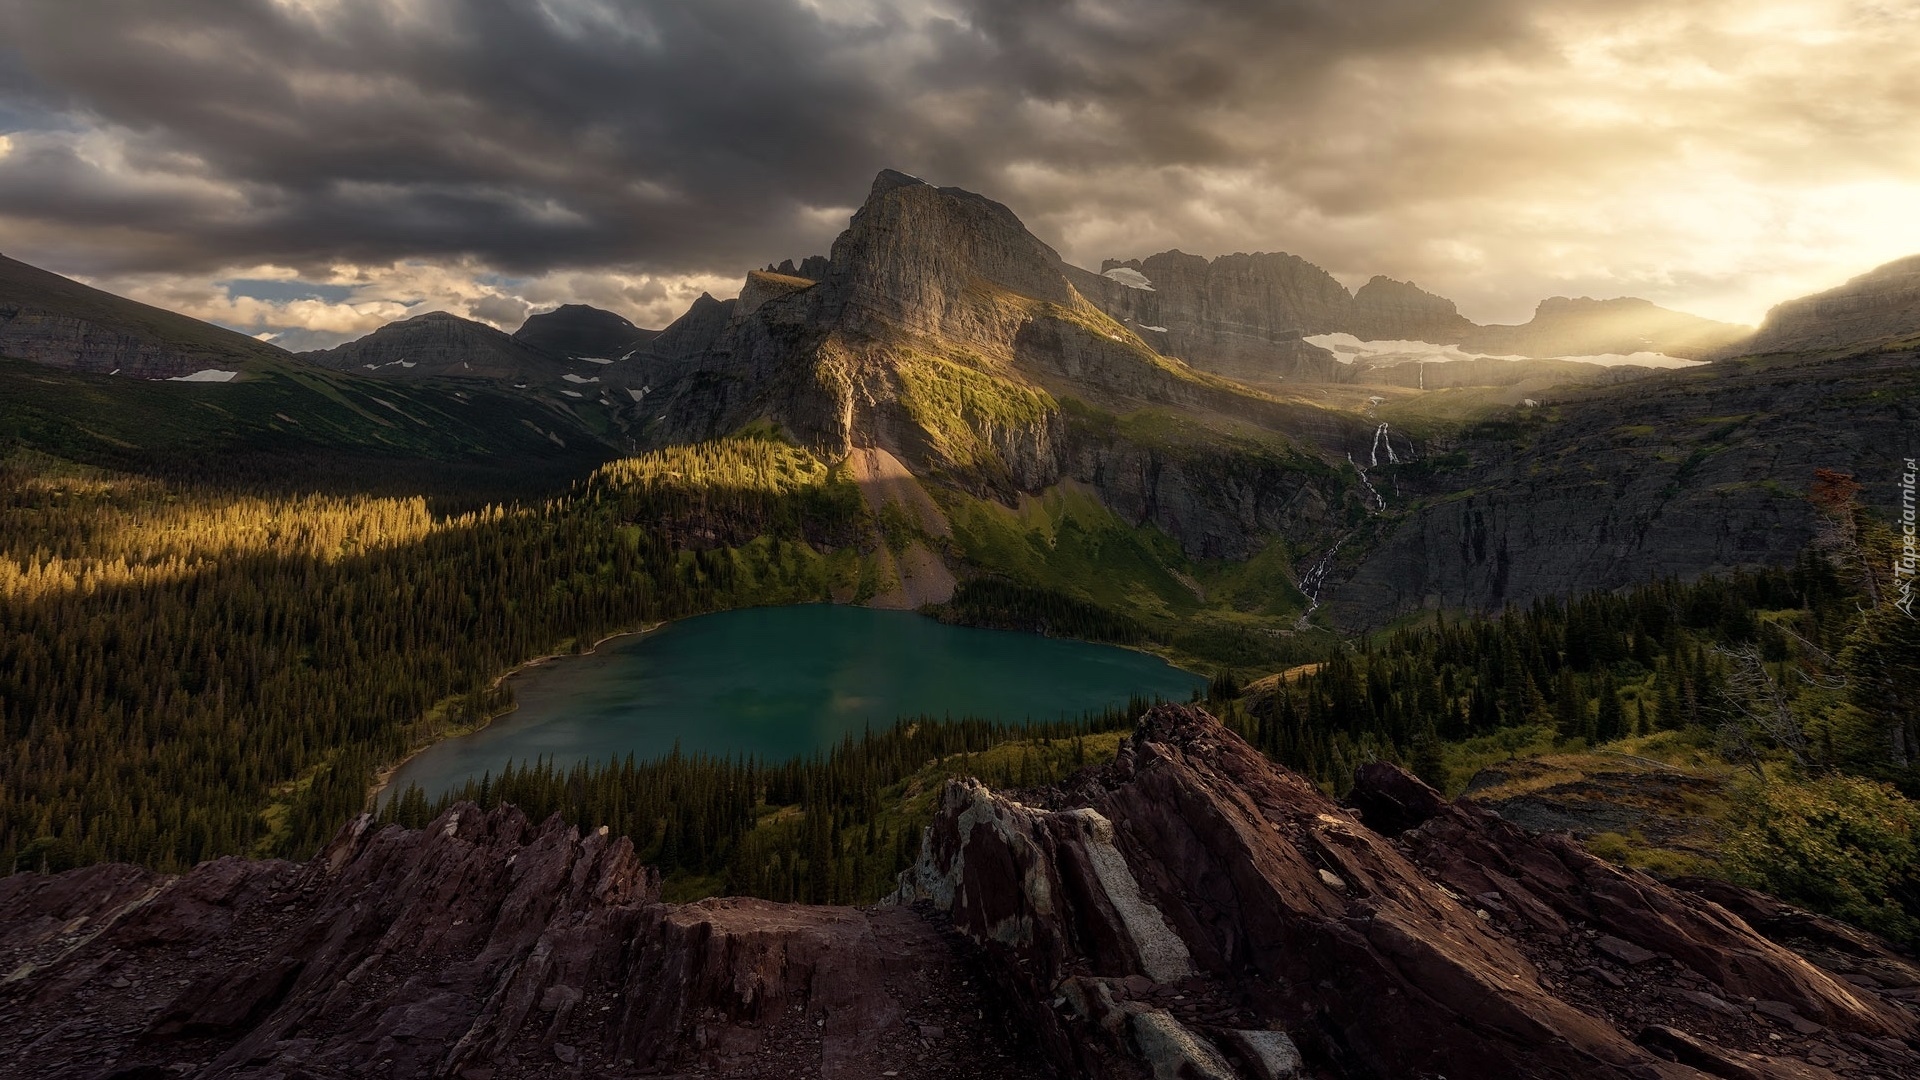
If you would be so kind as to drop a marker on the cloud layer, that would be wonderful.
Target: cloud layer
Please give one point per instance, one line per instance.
(379, 157)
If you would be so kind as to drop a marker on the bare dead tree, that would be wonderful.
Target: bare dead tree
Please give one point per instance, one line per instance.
(1763, 703)
(1834, 494)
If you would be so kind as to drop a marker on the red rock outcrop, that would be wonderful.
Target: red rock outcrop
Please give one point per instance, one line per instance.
(1195, 910)
(1190, 910)
(482, 947)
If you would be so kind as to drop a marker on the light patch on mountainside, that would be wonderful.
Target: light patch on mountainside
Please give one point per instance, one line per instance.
(206, 375)
(1349, 349)
(908, 519)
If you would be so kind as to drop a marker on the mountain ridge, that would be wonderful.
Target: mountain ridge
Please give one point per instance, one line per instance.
(54, 320)
(1878, 306)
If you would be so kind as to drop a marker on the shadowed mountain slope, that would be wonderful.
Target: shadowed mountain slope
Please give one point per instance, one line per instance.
(441, 345)
(577, 330)
(57, 321)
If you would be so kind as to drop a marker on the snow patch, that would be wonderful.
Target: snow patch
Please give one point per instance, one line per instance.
(579, 380)
(206, 375)
(1155, 329)
(573, 393)
(595, 359)
(1131, 278)
(635, 394)
(1349, 349)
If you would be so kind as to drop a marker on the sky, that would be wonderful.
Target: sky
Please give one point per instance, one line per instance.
(307, 170)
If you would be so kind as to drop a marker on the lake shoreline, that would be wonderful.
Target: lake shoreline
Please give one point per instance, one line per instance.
(385, 776)
(384, 781)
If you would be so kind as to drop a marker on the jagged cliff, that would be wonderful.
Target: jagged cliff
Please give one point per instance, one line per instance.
(1244, 316)
(1878, 306)
(1685, 473)
(1238, 315)
(54, 320)
(1389, 310)
(1191, 910)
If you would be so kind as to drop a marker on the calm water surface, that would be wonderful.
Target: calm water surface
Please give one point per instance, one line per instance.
(786, 681)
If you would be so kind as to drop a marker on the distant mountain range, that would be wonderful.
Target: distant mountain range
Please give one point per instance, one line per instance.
(1392, 453)
(1244, 316)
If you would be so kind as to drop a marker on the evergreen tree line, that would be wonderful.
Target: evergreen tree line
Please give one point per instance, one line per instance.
(1790, 661)
(830, 828)
(191, 672)
(1007, 605)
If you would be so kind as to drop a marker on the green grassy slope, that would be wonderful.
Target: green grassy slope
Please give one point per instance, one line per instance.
(287, 421)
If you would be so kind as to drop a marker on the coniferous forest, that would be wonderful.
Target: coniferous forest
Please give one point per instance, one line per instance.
(191, 669)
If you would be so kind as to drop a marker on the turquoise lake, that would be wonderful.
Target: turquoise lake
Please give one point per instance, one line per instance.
(775, 683)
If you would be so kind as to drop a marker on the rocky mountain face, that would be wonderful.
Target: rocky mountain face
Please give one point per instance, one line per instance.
(1586, 327)
(942, 331)
(579, 331)
(1244, 316)
(1389, 310)
(1879, 306)
(54, 320)
(1238, 315)
(440, 345)
(1190, 910)
(1685, 473)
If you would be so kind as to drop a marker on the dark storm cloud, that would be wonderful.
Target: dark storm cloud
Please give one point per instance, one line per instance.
(1495, 149)
(655, 134)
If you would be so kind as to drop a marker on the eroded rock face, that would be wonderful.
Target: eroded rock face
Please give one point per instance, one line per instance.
(480, 947)
(1878, 306)
(1389, 310)
(1194, 910)
(1685, 473)
(1238, 315)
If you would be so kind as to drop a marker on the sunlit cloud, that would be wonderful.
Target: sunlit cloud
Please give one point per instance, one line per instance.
(493, 157)
(349, 301)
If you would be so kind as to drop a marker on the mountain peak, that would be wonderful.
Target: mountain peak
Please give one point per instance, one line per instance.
(581, 330)
(889, 179)
(914, 252)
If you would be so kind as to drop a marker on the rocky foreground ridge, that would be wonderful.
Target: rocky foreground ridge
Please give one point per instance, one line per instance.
(1190, 910)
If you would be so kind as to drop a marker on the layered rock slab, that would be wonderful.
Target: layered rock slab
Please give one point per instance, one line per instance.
(1195, 910)
(482, 947)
